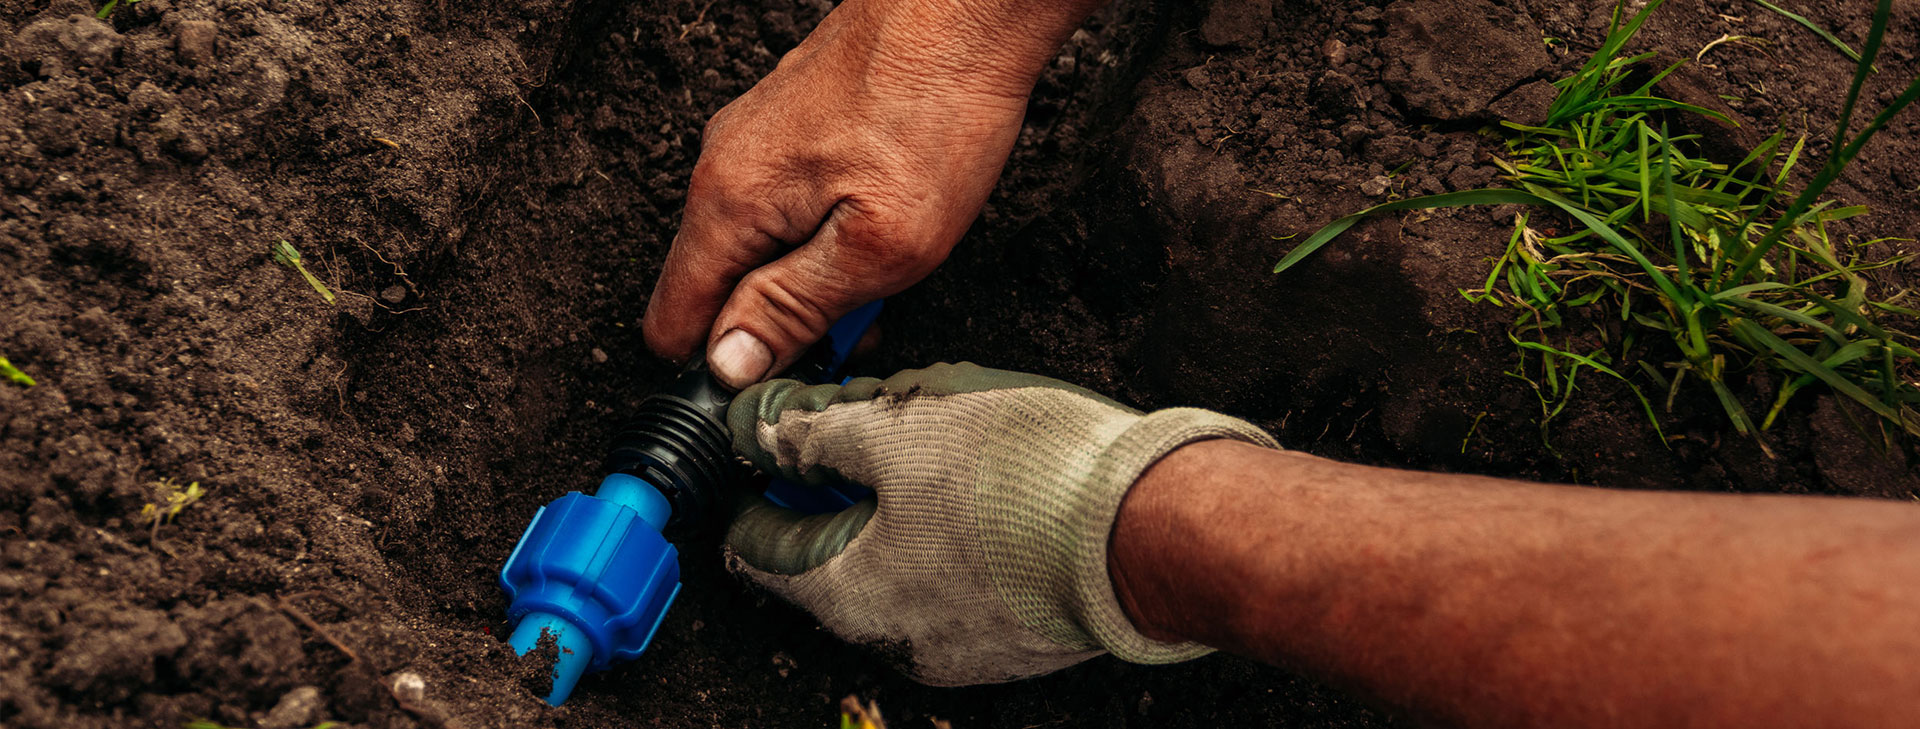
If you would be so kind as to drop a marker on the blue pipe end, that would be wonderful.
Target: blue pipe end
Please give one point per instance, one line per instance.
(576, 651)
(638, 495)
(594, 572)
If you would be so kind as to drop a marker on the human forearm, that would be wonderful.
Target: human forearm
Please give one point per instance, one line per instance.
(1001, 43)
(1494, 603)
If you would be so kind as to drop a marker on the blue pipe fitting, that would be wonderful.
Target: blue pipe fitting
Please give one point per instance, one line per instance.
(596, 574)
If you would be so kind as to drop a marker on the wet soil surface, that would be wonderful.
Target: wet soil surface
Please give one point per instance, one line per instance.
(490, 188)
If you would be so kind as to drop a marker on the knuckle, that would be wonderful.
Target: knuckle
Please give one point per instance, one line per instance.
(717, 123)
(714, 177)
(891, 244)
(795, 315)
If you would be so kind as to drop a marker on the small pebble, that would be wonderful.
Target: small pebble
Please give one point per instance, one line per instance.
(1335, 51)
(394, 294)
(409, 687)
(1376, 186)
(297, 708)
(599, 355)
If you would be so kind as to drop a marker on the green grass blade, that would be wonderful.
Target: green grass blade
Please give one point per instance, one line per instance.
(1750, 289)
(1673, 218)
(1446, 200)
(14, 375)
(1781, 312)
(1589, 361)
(1735, 411)
(1848, 316)
(1821, 181)
(285, 255)
(1759, 335)
(1817, 30)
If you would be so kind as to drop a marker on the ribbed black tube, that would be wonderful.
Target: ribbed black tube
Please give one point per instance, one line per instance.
(679, 443)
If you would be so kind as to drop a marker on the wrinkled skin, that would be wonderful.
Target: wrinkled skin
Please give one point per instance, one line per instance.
(847, 174)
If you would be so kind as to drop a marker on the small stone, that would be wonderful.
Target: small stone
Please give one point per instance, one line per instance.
(1376, 186)
(409, 687)
(599, 355)
(1196, 77)
(394, 294)
(298, 708)
(193, 40)
(1335, 52)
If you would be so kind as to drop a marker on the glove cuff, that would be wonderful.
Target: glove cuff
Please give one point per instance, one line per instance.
(1115, 471)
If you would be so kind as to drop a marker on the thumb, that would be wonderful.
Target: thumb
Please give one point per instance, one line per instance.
(782, 308)
(769, 539)
(777, 541)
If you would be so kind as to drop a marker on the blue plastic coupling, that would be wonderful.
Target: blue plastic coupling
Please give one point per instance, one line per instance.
(595, 573)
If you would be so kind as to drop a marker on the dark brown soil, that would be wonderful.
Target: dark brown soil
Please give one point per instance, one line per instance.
(491, 187)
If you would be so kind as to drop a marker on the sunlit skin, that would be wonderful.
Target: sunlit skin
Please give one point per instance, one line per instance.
(848, 173)
(1482, 602)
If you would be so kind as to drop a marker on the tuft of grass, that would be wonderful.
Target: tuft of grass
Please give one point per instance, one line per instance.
(285, 255)
(14, 375)
(1670, 247)
(174, 499)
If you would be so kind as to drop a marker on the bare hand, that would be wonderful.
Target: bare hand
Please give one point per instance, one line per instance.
(844, 176)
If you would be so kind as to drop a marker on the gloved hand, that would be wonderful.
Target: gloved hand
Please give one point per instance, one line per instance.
(985, 558)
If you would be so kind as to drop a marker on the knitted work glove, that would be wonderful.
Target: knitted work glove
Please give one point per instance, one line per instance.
(985, 558)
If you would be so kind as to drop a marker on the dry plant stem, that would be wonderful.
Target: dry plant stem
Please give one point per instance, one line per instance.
(285, 606)
(1483, 602)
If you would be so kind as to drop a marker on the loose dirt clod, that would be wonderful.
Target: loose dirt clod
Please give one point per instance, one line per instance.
(193, 40)
(536, 666)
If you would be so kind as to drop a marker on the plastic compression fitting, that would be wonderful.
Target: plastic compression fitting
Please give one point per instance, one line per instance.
(593, 576)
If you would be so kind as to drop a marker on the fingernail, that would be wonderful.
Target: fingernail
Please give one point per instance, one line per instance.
(740, 360)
